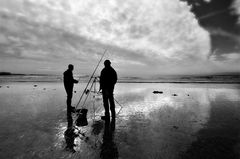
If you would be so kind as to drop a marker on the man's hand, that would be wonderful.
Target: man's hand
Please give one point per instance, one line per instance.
(75, 81)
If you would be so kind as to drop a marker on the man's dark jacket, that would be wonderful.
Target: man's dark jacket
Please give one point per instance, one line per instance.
(108, 78)
(68, 80)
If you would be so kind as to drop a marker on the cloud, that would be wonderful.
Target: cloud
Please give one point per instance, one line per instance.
(221, 32)
(226, 62)
(234, 57)
(140, 35)
(224, 42)
(3, 39)
(236, 7)
(162, 29)
(207, 1)
(227, 58)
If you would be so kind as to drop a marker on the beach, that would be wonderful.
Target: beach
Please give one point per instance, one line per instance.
(189, 120)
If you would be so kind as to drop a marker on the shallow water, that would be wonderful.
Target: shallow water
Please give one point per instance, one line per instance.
(148, 125)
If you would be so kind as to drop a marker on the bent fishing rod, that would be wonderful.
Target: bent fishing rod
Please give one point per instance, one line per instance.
(90, 78)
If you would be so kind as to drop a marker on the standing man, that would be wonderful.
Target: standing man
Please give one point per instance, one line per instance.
(108, 79)
(68, 84)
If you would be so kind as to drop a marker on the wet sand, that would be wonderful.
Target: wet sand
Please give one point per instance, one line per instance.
(185, 121)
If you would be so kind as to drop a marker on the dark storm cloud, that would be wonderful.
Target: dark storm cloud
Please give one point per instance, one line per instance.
(221, 20)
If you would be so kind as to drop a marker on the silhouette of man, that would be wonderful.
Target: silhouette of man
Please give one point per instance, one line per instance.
(108, 79)
(68, 84)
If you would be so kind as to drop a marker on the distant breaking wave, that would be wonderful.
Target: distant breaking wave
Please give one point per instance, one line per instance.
(234, 78)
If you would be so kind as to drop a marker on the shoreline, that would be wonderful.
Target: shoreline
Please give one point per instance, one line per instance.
(171, 82)
(181, 79)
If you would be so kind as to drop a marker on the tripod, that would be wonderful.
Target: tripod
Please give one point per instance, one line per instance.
(82, 113)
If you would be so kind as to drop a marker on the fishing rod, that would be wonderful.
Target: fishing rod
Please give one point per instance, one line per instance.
(90, 78)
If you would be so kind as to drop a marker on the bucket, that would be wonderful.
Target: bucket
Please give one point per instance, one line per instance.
(82, 118)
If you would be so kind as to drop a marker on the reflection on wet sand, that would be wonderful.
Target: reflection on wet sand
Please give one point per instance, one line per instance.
(70, 136)
(201, 119)
(157, 125)
(220, 136)
(161, 125)
(109, 148)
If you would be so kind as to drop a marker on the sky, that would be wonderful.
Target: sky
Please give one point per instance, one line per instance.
(142, 38)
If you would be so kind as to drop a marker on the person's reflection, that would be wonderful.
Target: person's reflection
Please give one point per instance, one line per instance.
(108, 148)
(69, 137)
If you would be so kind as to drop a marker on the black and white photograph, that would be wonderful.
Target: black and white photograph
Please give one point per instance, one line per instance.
(114, 79)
